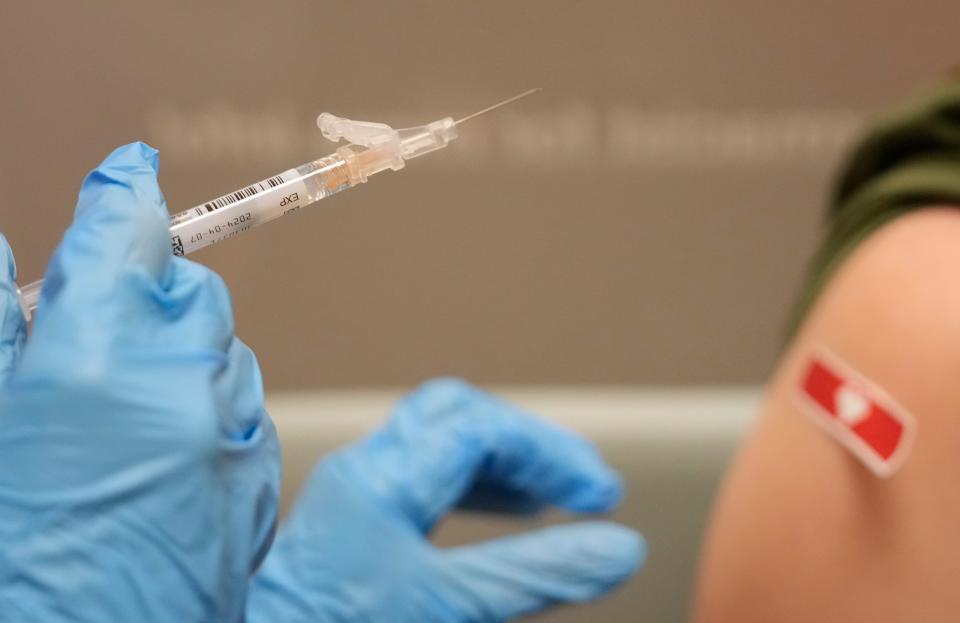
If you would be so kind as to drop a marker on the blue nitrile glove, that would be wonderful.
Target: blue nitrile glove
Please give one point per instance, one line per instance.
(355, 548)
(139, 473)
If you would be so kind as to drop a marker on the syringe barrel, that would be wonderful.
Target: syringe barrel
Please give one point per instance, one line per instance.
(231, 214)
(261, 202)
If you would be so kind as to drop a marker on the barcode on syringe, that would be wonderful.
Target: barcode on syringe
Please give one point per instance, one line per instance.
(238, 195)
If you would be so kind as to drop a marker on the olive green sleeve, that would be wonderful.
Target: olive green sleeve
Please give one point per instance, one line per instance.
(908, 160)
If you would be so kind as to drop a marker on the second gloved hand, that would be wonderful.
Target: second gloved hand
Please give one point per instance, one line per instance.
(355, 548)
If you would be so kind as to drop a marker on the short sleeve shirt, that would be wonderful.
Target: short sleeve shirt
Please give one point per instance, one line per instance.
(908, 160)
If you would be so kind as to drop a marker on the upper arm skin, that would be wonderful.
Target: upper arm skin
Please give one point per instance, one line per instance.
(801, 530)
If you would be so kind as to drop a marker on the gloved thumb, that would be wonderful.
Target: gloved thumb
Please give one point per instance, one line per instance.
(510, 577)
(121, 225)
(103, 282)
(13, 329)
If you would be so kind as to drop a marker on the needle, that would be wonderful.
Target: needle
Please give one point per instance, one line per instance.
(509, 100)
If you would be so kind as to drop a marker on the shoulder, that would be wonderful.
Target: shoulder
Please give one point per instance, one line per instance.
(893, 307)
(802, 530)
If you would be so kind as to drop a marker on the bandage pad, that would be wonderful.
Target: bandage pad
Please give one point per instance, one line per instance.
(857, 413)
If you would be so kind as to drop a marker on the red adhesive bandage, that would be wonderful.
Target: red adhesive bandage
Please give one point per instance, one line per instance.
(857, 413)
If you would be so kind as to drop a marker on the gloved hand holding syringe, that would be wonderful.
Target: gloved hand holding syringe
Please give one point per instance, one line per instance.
(371, 148)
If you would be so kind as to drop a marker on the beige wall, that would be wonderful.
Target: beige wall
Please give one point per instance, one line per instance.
(645, 219)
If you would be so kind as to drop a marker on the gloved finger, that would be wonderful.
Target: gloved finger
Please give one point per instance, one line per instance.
(510, 577)
(199, 319)
(119, 240)
(199, 322)
(196, 308)
(241, 387)
(200, 325)
(249, 452)
(13, 327)
(447, 437)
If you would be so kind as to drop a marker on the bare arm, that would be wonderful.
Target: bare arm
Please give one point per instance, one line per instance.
(802, 531)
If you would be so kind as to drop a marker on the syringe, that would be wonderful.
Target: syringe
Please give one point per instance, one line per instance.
(371, 148)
